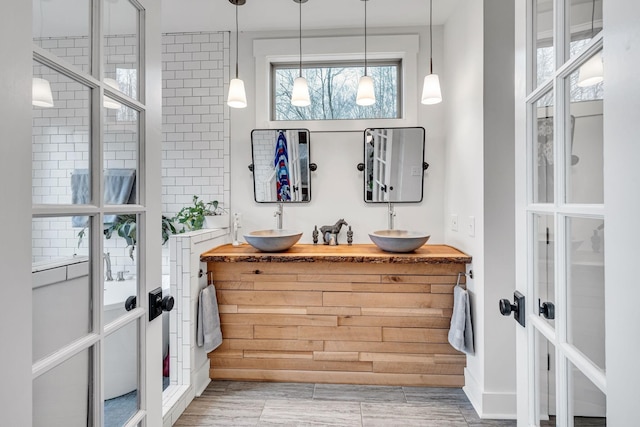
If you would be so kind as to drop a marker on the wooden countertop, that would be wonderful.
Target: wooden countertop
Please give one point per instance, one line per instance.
(359, 253)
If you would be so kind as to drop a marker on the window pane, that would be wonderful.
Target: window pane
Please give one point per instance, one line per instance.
(586, 21)
(121, 138)
(61, 280)
(543, 41)
(62, 396)
(543, 155)
(544, 267)
(587, 403)
(60, 138)
(121, 374)
(546, 378)
(121, 46)
(63, 29)
(584, 140)
(585, 287)
(333, 89)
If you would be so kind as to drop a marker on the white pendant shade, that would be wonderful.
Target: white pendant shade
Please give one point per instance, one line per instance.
(237, 97)
(300, 95)
(431, 93)
(591, 72)
(110, 103)
(366, 95)
(41, 95)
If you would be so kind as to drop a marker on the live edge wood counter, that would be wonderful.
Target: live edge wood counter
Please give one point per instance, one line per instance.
(337, 314)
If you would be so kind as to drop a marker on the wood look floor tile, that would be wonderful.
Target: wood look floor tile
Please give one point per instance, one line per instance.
(310, 412)
(409, 415)
(358, 393)
(263, 390)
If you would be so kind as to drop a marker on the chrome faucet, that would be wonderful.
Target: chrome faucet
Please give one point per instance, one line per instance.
(278, 215)
(392, 214)
(107, 260)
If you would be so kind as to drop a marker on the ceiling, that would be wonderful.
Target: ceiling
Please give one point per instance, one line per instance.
(259, 15)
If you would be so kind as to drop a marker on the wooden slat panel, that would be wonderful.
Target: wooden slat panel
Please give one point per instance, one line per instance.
(295, 364)
(406, 322)
(396, 357)
(342, 278)
(347, 333)
(271, 309)
(442, 289)
(338, 377)
(269, 298)
(419, 278)
(403, 312)
(343, 356)
(232, 285)
(450, 358)
(252, 277)
(340, 286)
(389, 347)
(418, 335)
(224, 308)
(339, 268)
(275, 332)
(340, 311)
(276, 345)
(236, 354)
(415, 368)
(237, 331)
(279, 319)
(250, 354)
(387, 300)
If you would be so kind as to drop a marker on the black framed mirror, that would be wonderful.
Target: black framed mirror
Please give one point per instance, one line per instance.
(394, 165)
(281, 169)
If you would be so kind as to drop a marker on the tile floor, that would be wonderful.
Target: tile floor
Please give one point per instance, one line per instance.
(227, 403)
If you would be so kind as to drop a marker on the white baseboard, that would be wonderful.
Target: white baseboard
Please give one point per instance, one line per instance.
(489, 405)
(201, 377)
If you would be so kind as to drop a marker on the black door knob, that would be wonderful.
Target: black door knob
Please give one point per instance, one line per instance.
(506, 307)
(130, 303)
(547, 309)
(167, 303)
(517, 308)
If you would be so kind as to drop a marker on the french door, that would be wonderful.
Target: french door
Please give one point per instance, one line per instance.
(95, 194)
(560, 212)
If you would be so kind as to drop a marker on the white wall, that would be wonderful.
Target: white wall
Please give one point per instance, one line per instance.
(478, 97)
(15, 262)
(621, 175)
(337, 186)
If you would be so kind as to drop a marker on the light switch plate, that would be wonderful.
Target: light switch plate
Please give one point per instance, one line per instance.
(453, 221)
(471, 226)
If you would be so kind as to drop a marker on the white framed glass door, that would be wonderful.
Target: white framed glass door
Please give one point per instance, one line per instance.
(560, 212)
(94, 195)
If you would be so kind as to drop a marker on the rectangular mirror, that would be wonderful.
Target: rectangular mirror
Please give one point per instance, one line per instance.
(281, 165)
(393, 164)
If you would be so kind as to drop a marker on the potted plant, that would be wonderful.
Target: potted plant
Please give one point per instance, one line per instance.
(202, 215)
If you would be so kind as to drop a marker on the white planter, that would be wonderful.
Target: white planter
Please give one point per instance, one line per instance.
(216, 221)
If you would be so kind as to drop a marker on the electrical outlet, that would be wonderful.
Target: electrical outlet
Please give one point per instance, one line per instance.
(471, 226)
(237, 218)
(453, 222)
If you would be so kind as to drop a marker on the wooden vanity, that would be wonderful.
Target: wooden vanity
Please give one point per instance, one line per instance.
(337, 314)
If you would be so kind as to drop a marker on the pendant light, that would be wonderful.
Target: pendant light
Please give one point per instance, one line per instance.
(366, 94)
(300, 94)
(41, 95)
(431, 93)
(592, 71)
(237, 97)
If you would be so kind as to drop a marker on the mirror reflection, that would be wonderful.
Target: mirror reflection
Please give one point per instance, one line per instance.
(281, 165)
(393, 162)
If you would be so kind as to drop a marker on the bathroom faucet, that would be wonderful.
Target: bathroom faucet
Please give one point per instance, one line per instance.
(392, 214)
(107, 261)
(278, 215)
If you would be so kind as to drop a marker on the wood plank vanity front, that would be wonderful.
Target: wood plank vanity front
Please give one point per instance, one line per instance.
(337, 314)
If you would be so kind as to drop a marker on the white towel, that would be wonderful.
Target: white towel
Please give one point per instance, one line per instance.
(208, 334)
(461, 331)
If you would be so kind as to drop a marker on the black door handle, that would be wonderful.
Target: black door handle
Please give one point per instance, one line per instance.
(517, 308)
(130, 303)
(547, 309)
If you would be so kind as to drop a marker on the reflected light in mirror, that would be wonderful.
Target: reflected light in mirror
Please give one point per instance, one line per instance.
(591, 72)
(41, 95)
(108, 102)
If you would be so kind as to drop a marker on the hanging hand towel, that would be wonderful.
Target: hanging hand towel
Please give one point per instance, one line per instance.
(208, 334)
(281, 164)
(461, 331)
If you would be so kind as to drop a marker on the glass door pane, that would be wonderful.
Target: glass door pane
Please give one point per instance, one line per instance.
(587, 403)
(121, 47)
(543, 41)
(543, 155)
(546, 381)
(585, 22)
(544, 267)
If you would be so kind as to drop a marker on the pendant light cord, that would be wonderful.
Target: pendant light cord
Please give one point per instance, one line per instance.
(365, 37)
(300, 37)
(237, 40)
(430, 36)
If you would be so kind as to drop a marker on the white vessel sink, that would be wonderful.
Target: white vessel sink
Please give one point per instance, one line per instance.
(398, 240)
(272, 240)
